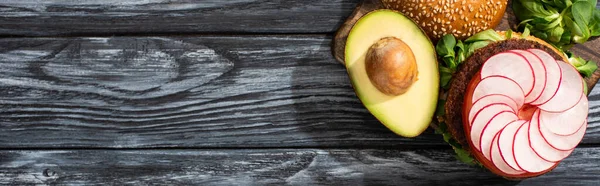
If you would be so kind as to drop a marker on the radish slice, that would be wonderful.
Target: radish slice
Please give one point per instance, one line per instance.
(491, 99)
(540, 146)
(511, 65)
(560, 142)
(499, 85)
(553, 76)
(539, 74)
(505, 140)
(498, 161)
(492, 128)
(567, 122)
(484, 116)
(525, 157)
(569, 91)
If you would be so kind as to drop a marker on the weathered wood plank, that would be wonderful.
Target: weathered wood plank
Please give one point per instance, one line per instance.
(281, 166)
(109, 17)
(131, 92)
(181, 92)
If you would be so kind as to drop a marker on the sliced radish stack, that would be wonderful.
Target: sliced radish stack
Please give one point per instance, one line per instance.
(553, 76)
(505, 144)
(499, 85)
(567, 122)
(525, 157)
(512, 66)
(563, 142)
(484, 116)
(497, 159)
(539, 74)
(540, 146)
(492, 128)
(489, 100)
(569, 91)
(527, 113)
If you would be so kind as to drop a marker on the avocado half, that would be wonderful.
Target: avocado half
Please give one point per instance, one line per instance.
(407, 114)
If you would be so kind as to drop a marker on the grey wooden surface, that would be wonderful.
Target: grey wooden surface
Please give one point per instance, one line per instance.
(263, 91)
(272, 166)
(210, 93)
(151, 17)
(205, 91)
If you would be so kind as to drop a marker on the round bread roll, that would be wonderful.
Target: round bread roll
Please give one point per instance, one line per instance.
(462, 18)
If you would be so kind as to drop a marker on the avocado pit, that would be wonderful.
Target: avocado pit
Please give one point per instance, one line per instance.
(391, 66)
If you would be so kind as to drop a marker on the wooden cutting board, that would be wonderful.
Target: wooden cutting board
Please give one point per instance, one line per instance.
(589, 51)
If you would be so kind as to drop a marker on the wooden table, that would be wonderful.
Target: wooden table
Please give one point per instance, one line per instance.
(235, 92)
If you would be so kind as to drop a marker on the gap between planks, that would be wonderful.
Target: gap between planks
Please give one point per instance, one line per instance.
(178, 35)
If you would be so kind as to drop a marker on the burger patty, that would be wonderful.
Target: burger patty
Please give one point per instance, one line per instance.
(469, 68)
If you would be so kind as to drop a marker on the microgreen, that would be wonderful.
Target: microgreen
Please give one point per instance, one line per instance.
(585, 68)
(563, 23)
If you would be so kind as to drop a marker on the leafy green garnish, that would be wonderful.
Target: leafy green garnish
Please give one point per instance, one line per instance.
(439, 110)
(461, 153)
(585, 88)
(486, 35)
(476, 45)
(464, 156)
(453, 51)
(509, 34)
(560, 22)
(526, 33)
(445, 49)
(445, 76)
(586, 68)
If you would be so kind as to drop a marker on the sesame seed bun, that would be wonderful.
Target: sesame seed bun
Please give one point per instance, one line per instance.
(461, 18)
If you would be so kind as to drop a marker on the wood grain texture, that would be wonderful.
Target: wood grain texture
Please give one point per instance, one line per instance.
(109, 17)
(277, 166)
(181, 92)
(201, 92)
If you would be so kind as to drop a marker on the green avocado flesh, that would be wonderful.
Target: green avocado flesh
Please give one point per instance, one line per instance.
(408, 114)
